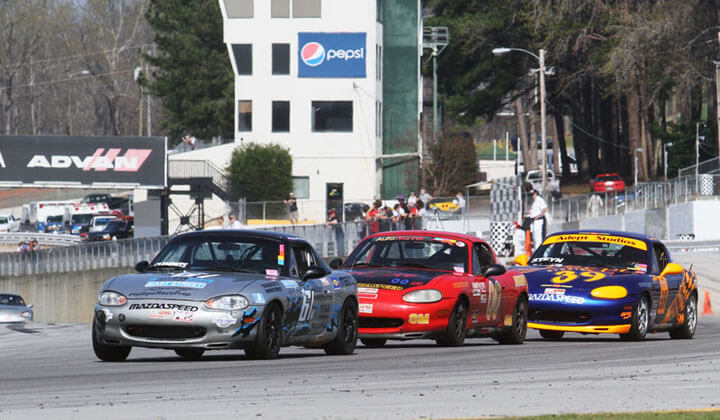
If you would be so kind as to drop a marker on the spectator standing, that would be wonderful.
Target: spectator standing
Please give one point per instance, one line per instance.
(234, 222)
(538, 208)
(424, 196)
(292, 208)
(594, 205)
(191, 141)
(412, 199)
(459, 201)
(333, 221)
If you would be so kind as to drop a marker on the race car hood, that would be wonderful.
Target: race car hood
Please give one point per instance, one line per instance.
(191, 285)
(580, 278)
(395, 279)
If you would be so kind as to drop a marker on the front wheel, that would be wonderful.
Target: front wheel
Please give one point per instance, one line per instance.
(551, 335)
(108, 353)
(457, 327)
(640, 321)
(687, 329)
(267, 342)
(518, 330)
(190, 354)
(346, 338)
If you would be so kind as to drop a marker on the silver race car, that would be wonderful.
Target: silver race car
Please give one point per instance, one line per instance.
(14, 310)
(228, 289)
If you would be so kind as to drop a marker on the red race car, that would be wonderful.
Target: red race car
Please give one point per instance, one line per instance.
(603, 183)
(435, 285)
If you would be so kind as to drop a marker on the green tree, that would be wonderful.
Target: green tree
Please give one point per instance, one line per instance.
(261, 172)
(192, 72)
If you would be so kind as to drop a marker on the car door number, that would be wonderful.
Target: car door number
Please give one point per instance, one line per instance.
(306, 312)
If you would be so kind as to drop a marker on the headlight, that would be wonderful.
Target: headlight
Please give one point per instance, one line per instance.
(609, 292)
(423, 296)
(227, 303)
(111, 299)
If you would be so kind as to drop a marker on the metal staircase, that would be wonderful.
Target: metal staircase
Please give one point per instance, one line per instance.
(204, 179)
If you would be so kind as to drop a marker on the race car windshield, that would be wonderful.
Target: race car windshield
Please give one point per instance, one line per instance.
(254, 255)
(411, 252)
(593, 254)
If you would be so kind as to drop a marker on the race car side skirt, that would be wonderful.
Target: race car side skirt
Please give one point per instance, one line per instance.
(592, 329)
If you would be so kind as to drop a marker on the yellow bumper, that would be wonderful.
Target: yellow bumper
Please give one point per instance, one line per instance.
(591, 329)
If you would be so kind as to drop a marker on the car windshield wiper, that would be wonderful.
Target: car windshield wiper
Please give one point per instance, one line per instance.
(169, 266)
(364, 264)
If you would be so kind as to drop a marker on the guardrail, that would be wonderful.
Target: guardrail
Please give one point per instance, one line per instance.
(52, 239)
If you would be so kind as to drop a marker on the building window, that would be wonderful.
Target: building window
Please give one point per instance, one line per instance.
(378, 119)
(239, 8)
(244, 115)
(280, 116)
(378, 62)
(280, 8)
(301, 187)
(379, 10)
(306, 8)
(330, 116)
(280, 58)
(243, 58)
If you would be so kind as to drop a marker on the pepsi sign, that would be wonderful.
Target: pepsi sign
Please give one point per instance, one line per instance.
(323, 54)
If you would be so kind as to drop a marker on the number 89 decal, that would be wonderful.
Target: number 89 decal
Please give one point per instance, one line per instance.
(567, 276)
(494, 297)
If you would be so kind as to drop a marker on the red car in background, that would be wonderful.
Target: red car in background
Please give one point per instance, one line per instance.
(435, 285)
(605, 183)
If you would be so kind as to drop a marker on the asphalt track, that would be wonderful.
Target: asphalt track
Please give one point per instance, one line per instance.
(50, 372)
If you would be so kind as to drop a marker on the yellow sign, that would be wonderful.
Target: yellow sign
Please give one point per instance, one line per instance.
(444, 206)
(595, 237)
(419, 318)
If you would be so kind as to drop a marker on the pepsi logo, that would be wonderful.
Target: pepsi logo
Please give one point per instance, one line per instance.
(313, 54)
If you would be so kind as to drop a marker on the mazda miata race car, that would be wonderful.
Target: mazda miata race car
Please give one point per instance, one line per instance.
(14, 310)
(228, 289)
(435, 285)
(608, 282)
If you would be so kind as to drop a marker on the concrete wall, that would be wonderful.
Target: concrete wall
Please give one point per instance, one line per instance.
(613, 222)
(61, 297)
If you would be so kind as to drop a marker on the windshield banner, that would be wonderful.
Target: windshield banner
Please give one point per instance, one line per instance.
(593, 237)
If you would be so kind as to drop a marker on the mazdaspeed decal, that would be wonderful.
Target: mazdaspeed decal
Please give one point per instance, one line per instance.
(594, 237)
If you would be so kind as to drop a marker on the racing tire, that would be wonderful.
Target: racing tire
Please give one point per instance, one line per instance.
(457, 327)
(518, 330)
(190, 354)
(108, 353)
(269, 334)
(640, 321)
(373, 342)
(346, 338)
(687, 329)
(552, 335)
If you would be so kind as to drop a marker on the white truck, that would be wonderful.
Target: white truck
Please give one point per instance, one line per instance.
(8, 223)
(534, 178)
(35, 213)
(79, 216)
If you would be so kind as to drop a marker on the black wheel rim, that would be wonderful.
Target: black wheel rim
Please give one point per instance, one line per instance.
(643, 316)
(349, 325)
(691, 314)
(521, 318)
(460, 319)
(272, 331)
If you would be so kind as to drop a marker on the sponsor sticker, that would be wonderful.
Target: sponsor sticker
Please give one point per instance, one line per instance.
(365, 308)
(554, 291)
(459, 268)
(419, 319)
(594, 237)
(367, 290)
(259, 298)
(290, 284)
(271, 272)
(520, 280)
(336, 283)
(508, 320)
(380, 286)
(325, 281)
(474, 317)
(477, 292)
(175, 283)
(538, 297)
(174, 306)
(281, 255)
(161, 314)
(184, 316)
(459, 284)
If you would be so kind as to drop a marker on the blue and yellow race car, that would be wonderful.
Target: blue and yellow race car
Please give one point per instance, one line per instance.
(596, 282)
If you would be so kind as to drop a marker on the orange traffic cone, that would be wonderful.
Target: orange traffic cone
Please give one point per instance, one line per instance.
(528, 243)
(707, 307)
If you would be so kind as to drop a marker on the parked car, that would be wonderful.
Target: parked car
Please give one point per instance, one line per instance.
(611, 182)
(534, 179)
(113, 203)
(8, 223)
(606, 282)
(228, 289)
(114, 229)
(435, 285)
(98, 222)
(14, 310)
(443, 207)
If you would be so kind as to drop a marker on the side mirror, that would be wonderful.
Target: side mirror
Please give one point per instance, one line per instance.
(494, 270)
(521, 259)
(142, 266)
(314, 272)
(335, 263)
(671, 268)
(30, 306)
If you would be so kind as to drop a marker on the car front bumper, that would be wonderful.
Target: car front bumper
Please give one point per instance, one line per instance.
(399, 320)
(582, 314)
